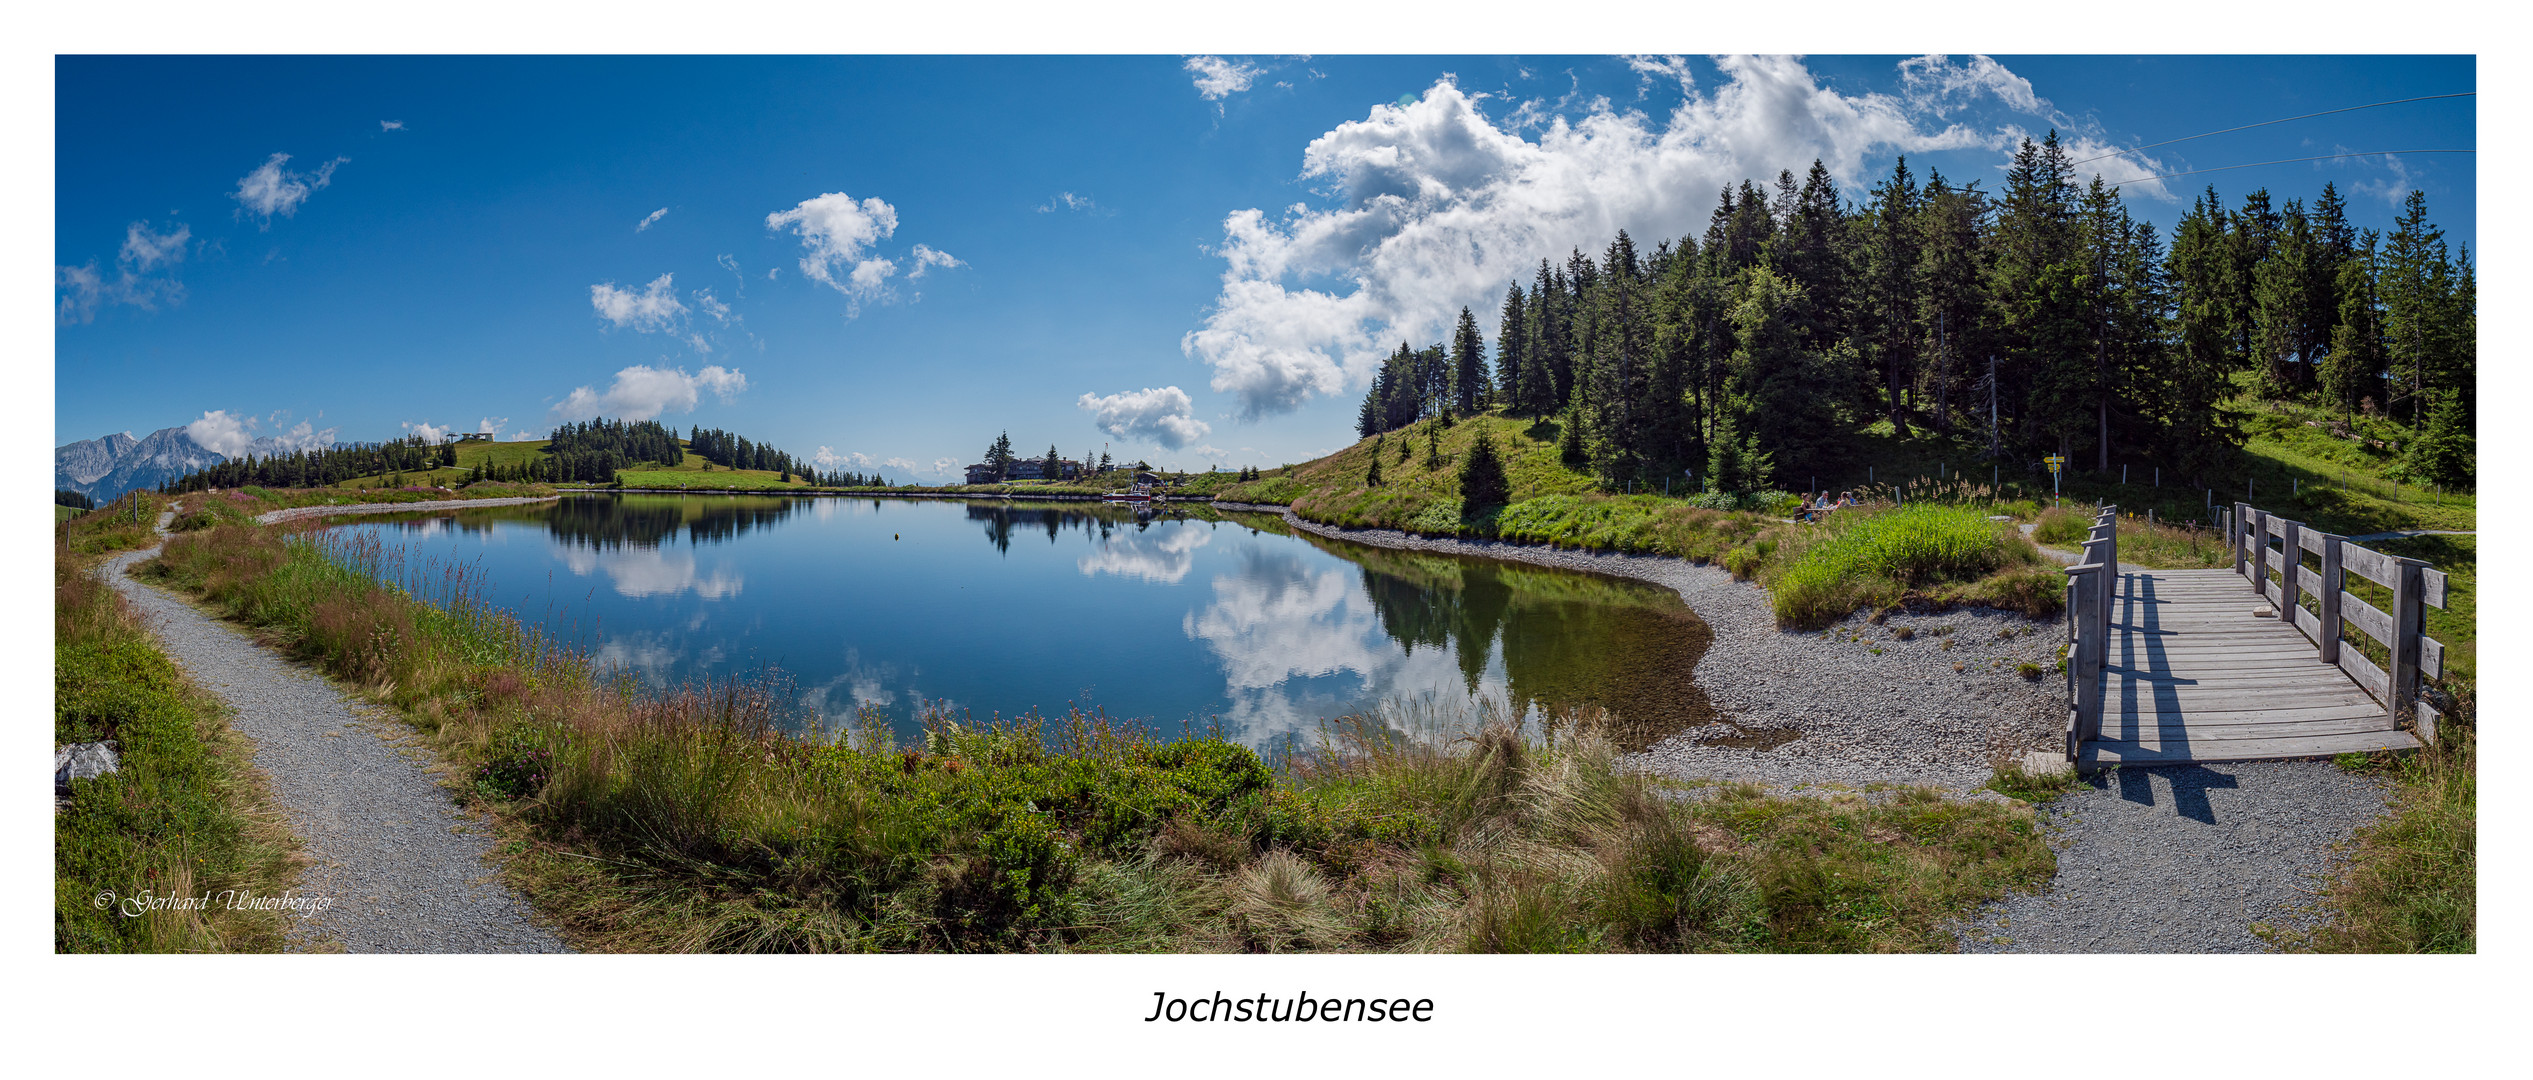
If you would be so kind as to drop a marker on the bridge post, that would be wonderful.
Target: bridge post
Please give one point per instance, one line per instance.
(2407, 616)
(2234, 536)
(2328, 598)
(2084, 657)
(2288, 533)
(2256, 534)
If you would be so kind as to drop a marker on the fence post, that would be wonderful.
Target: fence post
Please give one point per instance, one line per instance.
(2329, 599)
(2293, 569)
(2110, 517)
(2404, 646)
(2234, 537)
(2084, 658)
(2255, 531)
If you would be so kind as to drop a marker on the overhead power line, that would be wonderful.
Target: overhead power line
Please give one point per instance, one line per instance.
(2266, 123)
(2286, 161)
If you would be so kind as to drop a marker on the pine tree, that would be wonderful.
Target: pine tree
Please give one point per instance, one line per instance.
(1469, 389)
(1512, 344)
(2443, 452)
(1372, 478)
(1890, 300)
(1482, 481)
(2352, 375)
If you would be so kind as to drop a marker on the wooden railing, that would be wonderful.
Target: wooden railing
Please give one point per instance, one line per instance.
(2092, 584)
(2269, 551)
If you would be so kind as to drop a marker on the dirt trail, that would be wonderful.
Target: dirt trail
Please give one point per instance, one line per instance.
(404, 870)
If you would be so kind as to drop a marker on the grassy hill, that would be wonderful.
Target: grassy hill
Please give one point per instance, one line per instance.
(692, 473)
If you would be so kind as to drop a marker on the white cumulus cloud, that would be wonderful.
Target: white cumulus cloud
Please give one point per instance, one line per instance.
(428, 431)
(642, 392)
(391, 125)
(711, 305)
(946, 465)
(838, 234)
(273, 190)
(1934, 83)
(926, 258)
(221, 433)
(1673, 68)
(1217, 78)
(1149, 415)
(1066, 200)
(654, 308)
(899, 463)
(653, 219)
(492, 425)
(1437, 207)
(143, 274)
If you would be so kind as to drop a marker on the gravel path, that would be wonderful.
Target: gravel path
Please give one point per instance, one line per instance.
(1854, 705)
(405, 870)
(2183, 859)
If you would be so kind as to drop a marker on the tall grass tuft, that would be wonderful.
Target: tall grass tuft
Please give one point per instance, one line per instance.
(1877, 559)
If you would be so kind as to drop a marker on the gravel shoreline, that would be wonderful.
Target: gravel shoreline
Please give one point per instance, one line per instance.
(296, 512)
(403, 869)
(1864, 705)
(2184, 859)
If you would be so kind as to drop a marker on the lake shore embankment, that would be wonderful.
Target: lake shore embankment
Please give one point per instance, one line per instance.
(1915, 699)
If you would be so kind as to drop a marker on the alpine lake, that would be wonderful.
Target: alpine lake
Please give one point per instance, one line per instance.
(1182, 618)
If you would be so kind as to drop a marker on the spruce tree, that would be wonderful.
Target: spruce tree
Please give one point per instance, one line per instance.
(1469, 389)
(1482, 481)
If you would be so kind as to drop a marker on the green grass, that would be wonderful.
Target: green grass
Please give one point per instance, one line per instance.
(64, 513)
(1944, 553)
(1332, 489)
(127, 523)
(1555, 505)
(690, 819)
(2413, 884)
(183, 816)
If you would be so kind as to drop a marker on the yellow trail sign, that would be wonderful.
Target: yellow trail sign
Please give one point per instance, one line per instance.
(2054, 462)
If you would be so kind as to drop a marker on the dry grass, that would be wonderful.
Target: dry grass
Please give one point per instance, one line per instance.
(186, 816)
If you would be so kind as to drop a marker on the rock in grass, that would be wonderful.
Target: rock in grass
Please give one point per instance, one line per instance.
(80, 761)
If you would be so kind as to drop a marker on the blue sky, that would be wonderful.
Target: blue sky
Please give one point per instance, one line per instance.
(1192, 260)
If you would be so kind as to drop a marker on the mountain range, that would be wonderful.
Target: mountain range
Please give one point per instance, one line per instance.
(105, 467)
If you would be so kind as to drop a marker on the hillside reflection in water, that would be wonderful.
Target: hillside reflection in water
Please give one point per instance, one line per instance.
(1181, 618)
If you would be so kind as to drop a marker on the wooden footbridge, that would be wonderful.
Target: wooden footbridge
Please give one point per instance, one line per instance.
(2266, 660)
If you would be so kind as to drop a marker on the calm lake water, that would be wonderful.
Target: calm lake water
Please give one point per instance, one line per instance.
(995, 608)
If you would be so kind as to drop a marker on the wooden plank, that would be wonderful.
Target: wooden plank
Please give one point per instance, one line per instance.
(2432, 587)
(2269, 589)
(2372, 678)
(2431, 657)
(2186, 700)
(2367, 710)
(2172, 734)
(2308, 694)
(2427, 719)
(2366, 617)
(2312, 539)
(2308, 622)
(2101, 753)
(2368, 563)
(2202, 652)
